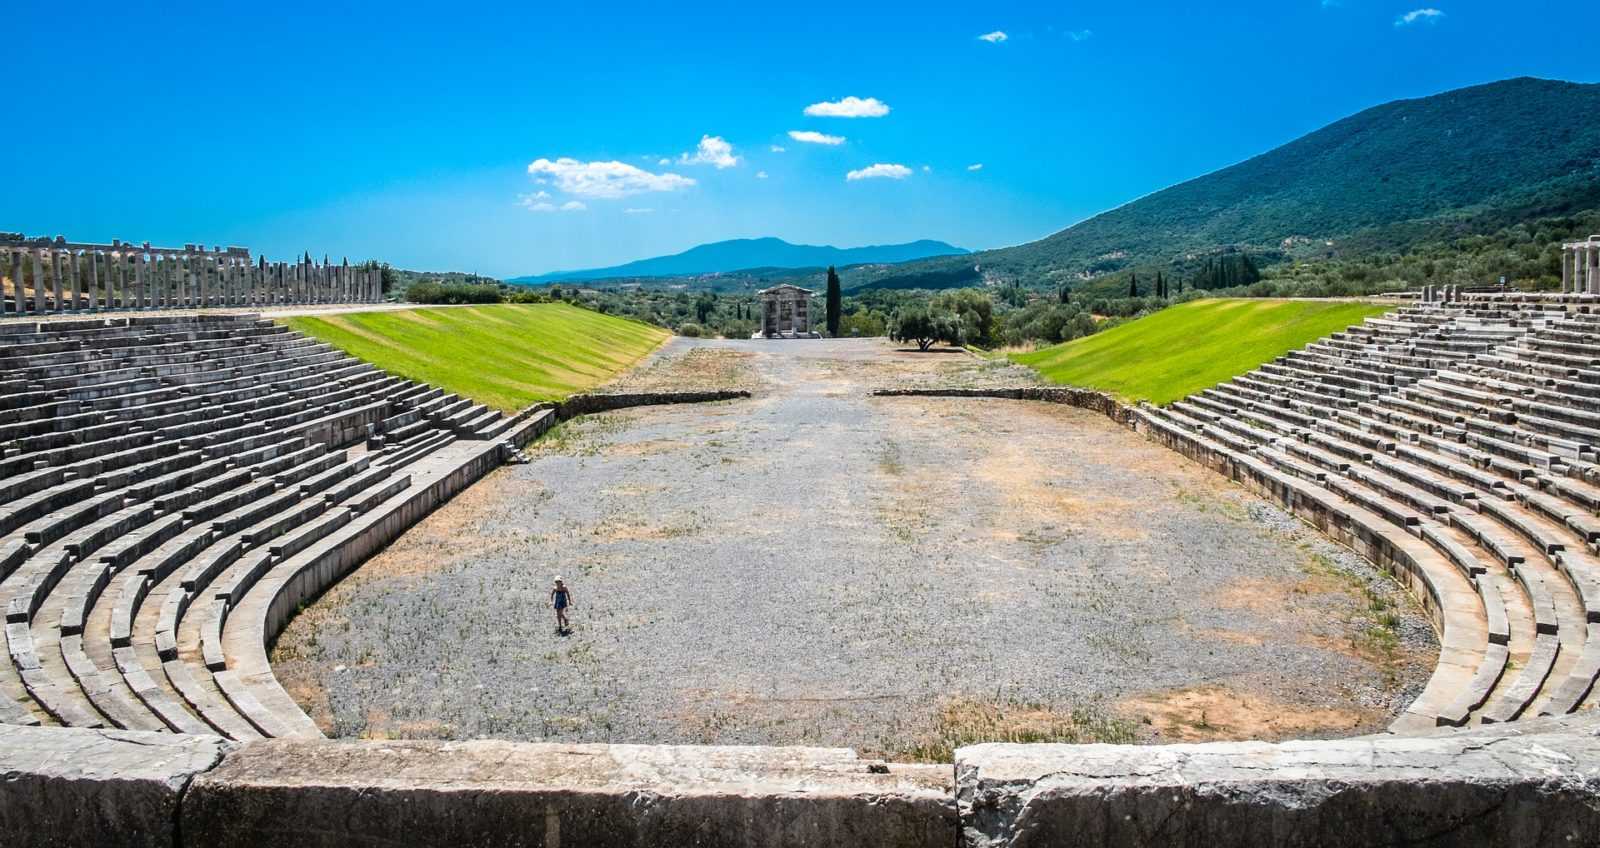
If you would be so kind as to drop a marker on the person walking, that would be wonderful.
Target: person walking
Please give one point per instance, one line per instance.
(560, 599)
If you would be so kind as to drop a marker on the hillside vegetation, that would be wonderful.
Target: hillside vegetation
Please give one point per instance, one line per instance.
(505, 355)
(1192, 346)
(1474, 160)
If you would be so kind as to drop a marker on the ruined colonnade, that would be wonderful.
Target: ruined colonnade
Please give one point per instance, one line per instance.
(52, 276)
(1580, 266)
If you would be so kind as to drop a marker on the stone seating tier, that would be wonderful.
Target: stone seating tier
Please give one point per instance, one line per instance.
(151, 470)
(1464, 436)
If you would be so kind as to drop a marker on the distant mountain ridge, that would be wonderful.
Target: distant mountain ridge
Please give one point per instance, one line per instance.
(1466, 161)
(743, 254)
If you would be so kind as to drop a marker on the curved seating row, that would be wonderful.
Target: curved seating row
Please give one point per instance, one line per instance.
(1453, 443)
(154, 470)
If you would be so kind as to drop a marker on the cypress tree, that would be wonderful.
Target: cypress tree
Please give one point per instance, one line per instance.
(1133, 285)
(1161, 286)
(834, 302)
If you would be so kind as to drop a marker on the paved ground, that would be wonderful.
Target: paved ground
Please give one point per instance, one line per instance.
(816, 566)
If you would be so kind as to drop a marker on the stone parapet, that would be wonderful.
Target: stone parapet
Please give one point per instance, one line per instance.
(591, 404)
(1489, 789)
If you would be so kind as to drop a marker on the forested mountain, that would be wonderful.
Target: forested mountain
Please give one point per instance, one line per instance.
(760, 253)
(1471, 161)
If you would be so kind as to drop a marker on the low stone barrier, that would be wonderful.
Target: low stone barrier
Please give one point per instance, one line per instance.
(1083, 398)
(68, 786)
(590, 404)
(1489, 789)
(1531, 786)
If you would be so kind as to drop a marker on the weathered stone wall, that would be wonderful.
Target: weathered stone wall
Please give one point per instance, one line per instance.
(591, 404)
(1534, 785)
(1506, 787)
(1085, 398)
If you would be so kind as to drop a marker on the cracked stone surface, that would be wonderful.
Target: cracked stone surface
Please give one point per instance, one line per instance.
(490, 793)
(1537, 785)
(91, 787)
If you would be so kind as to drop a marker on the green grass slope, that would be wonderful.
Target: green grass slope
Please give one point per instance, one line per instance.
(506, 355)
(1193, 346)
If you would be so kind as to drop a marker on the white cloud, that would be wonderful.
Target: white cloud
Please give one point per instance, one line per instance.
(778, 148)
(634, 210)
(604, 180)
(761, 175)
(663, 161)
(879, 171)
(539, 202)
(1084, 34)
(849, 107)
(711, 151)
(1429, 15)
(975, 166)
(994, 37)
(812, 137)
(927, 169)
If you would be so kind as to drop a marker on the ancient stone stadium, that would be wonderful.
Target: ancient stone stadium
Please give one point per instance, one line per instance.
(222, 541)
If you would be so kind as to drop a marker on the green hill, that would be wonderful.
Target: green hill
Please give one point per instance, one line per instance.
(507, 355)
(1471, 160)
(1193, 346)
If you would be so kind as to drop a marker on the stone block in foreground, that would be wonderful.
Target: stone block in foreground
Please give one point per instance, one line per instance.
(491, 793)
(1478, 789)
(63, 786)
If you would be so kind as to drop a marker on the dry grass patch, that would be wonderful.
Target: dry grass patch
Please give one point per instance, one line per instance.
(1213, 713)
(969, 721)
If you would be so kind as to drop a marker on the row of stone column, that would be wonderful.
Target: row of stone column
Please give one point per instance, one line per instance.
(1580, 266)
(93, 280)
(1442, 294)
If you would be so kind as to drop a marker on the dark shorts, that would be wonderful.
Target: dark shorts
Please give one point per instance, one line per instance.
(560, 606)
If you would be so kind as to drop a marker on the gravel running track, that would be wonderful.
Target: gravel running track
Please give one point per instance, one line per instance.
(817, 566)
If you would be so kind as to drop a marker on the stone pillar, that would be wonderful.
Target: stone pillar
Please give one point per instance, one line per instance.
(11, 266)
(53, 261)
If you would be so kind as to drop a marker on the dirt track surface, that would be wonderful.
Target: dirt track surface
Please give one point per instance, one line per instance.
(817, 566)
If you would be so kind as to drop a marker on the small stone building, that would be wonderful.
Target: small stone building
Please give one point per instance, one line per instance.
(1580, 266)
(786, 313)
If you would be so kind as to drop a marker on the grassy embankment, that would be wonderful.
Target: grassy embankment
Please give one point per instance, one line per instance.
(507, 355)
(1192, 346)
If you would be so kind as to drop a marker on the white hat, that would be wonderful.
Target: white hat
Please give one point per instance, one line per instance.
(558, 578)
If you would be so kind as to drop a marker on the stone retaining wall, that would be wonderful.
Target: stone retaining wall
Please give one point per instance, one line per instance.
(1506, 787)
(590, 404)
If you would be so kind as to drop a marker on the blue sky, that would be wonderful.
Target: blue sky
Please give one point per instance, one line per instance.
(414, 133)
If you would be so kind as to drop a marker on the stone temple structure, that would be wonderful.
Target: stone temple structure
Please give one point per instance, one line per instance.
(55, 275)
(786, 313)
(1580, 266)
